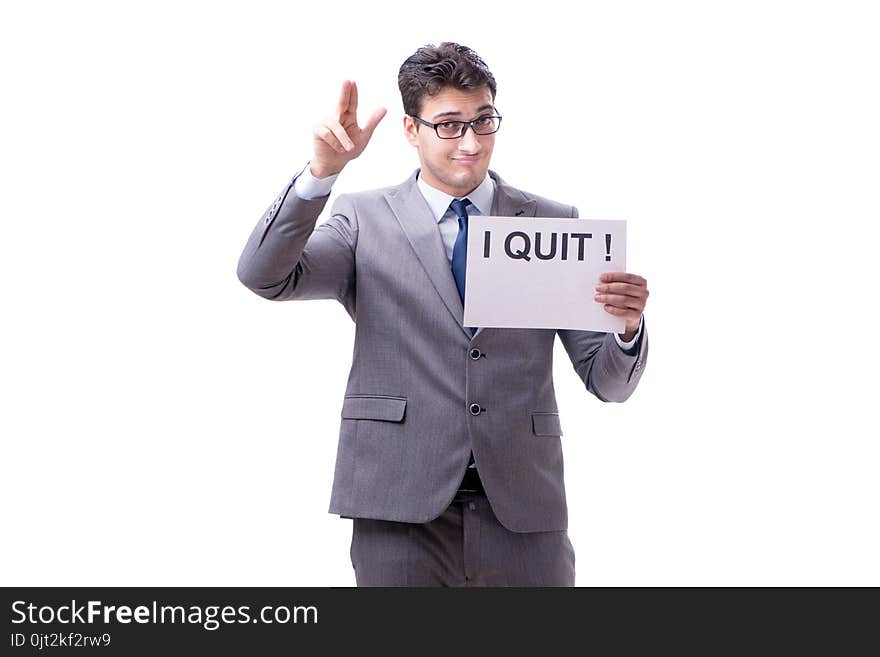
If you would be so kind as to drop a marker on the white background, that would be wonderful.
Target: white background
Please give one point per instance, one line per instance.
(162, 425)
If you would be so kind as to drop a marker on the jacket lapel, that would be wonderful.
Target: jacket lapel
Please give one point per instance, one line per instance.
(418, 223)
(509, 201)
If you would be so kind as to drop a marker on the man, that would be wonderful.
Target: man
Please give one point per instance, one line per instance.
(449, 457)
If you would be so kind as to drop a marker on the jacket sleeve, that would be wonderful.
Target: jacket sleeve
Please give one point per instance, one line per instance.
(608, 372)
(287, 257)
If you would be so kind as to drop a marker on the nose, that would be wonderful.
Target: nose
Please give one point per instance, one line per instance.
(469, 142)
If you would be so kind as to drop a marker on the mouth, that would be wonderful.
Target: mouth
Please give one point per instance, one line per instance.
(467, 160)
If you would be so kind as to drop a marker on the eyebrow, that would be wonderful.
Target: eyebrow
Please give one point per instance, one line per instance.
(479, 109)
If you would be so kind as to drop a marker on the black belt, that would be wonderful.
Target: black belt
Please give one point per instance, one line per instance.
(471, 483)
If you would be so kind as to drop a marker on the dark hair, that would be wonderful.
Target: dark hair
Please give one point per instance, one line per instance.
(431, 69)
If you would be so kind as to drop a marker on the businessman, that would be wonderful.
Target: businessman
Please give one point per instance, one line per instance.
(449, 459)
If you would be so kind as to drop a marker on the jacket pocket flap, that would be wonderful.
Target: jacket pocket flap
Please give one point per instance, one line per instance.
(365, 407)
(546, 424)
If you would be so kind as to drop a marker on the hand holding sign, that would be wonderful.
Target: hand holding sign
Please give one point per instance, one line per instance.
(624, 295)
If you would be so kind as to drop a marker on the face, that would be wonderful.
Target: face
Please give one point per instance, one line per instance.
(455, 166)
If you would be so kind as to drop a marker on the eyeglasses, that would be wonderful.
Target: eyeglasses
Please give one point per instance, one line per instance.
(484, 125)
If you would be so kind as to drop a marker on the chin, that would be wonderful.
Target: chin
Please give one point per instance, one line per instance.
(470, 179)
(462, 182)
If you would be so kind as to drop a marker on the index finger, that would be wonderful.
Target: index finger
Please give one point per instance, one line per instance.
(622, 277)
(345, 98)
(353, 99)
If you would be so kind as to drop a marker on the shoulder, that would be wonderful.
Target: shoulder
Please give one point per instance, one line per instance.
(367, 195)
(373, 198)
(546, 205)
(543, 205)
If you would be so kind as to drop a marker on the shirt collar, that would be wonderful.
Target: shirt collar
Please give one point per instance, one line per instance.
(438, 201)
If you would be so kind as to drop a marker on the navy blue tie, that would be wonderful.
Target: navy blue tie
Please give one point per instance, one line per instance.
(459, 261)
(459, 250)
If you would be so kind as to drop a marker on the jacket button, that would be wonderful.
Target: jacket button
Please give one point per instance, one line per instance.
(475, 354)
(475, 409)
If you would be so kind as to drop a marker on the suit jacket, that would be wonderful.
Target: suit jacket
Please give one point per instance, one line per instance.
(422, 392)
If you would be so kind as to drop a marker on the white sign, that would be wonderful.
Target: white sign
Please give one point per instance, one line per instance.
(535, 272)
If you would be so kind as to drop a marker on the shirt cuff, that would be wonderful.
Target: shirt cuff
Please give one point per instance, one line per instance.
(308, 188)
(629, 346)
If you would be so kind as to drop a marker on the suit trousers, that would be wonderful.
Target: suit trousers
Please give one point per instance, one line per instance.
(464, 546)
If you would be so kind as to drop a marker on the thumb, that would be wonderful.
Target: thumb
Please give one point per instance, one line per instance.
(373, 121)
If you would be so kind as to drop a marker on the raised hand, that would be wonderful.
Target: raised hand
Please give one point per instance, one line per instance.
(338, 139)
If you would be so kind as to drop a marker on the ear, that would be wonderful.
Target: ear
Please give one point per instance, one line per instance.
(410, 129)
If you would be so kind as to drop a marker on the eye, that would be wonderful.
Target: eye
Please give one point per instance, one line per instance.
(484, 121)
(448, 125)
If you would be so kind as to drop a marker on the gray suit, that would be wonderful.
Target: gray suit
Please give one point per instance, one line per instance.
(422, 392)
